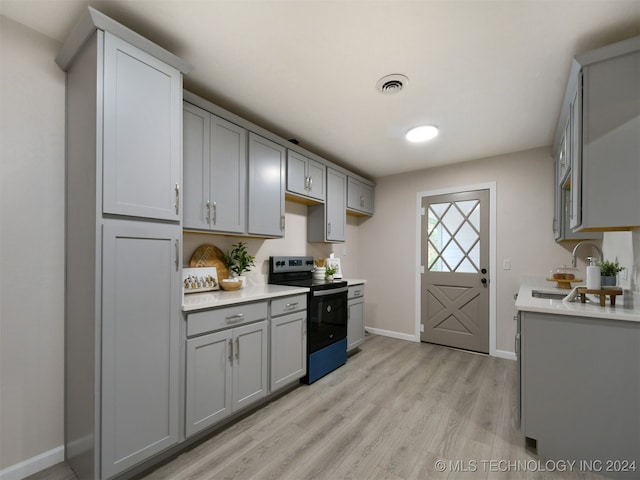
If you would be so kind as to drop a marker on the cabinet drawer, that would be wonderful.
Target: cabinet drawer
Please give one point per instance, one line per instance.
(295, 303)
(219, 318)
(356, 291)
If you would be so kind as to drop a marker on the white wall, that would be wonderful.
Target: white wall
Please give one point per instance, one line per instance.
(31, 244)
(524, 190)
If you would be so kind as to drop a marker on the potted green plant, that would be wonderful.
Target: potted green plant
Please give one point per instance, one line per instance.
(238, 261)
(608, 272)
(330, 271)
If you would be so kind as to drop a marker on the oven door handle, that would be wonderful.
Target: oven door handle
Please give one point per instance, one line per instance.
(332, 291)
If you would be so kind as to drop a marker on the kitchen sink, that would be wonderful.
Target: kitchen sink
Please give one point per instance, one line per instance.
(549, 295)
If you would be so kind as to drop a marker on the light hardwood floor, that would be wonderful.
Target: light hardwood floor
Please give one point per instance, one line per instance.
(396, 411)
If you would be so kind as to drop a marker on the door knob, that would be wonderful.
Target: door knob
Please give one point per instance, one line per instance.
(483, 280)
(483, 271)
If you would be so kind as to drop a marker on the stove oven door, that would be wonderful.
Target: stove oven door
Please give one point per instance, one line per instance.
(327, 317)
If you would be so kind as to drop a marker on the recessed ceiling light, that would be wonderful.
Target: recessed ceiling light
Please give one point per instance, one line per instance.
(422, 133)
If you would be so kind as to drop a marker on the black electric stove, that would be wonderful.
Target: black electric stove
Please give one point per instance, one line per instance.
(326, 313)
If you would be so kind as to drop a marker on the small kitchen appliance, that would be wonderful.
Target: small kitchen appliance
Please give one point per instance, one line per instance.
(326, 313)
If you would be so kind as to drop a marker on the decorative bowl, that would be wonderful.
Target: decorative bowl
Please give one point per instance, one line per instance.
(230, 285)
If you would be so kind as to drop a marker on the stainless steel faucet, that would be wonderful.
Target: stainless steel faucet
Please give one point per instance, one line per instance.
(584, 242)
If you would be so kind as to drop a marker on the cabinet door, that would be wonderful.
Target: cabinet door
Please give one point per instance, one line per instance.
(316, 172)
(575, 209)
(296, 173)
(355, 323)
(288, 349)
(196, 212)
(266, 187)
(228, 176)
(359, 196)
(366, 194)
(142, 144)
(250, 364)
(336, 205)
(209, 380)
(611, 143)
(141, 291)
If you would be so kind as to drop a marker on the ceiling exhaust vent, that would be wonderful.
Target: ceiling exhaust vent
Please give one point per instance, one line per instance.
(391, 83)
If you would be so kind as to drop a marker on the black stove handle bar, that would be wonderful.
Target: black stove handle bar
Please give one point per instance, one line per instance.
(331, 291)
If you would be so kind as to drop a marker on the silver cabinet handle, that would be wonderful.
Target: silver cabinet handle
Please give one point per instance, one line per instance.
(362, 200)
(235, 318)
(306, 183)
(208, 214)
(329, 228)
(230, 350)
(289, 306)
(357, 293)
(177, 198)
(177, 255)
(282, 223)
(238, 347)
(310, 183)
(215, 212)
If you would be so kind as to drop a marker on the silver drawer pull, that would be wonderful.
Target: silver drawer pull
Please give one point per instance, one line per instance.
(357, 292)
(289, 306)
(230, 351)
(235, 318)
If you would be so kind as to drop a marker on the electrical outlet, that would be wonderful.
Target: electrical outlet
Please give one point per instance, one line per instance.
(623, 274)
(506, 264)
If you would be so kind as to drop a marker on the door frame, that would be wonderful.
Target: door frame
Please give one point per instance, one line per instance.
(491, 186)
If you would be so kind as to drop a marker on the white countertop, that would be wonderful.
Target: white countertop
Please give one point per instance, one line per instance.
(354, 281)
(252, 293)
(525, 302)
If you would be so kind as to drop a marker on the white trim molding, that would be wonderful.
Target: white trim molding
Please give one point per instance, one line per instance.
(392, 334)
(33, 465)
(491, 186)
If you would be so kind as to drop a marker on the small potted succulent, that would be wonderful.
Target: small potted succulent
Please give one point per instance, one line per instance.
(608, 272)
(238, 261)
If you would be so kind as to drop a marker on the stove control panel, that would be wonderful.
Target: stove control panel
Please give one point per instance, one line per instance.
(290, 264)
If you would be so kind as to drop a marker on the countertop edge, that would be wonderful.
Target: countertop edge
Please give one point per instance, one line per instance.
(525, 302)
(219, 298)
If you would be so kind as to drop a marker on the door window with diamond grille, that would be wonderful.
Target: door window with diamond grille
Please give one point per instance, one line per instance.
(455, 249)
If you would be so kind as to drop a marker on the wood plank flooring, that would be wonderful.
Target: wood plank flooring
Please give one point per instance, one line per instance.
(396, 411)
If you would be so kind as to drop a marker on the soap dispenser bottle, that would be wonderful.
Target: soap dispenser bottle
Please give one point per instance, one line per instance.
(593, 275)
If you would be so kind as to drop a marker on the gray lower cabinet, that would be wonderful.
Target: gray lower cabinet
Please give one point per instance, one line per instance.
(355, 317)
(327, 222)
(226, 363)
(288, 340)
(215, 172)
(141, 296)
(266, 187)
(581, 389)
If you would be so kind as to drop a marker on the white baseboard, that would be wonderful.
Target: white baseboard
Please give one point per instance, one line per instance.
(504, 354)
(389, 333)
(33, 465)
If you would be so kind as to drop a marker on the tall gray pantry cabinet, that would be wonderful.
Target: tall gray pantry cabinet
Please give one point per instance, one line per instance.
(123, 232)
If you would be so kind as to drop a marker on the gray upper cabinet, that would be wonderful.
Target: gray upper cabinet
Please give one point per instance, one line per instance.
(305, 176)
(266, 187)
(215, 172)
(327, 223)
(602, 103)
(142, 133)
(359, 197)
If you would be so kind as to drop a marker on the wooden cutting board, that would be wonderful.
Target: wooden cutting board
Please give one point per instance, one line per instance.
(208, 255)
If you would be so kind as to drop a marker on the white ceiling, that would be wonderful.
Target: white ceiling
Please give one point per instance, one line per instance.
(490, 74)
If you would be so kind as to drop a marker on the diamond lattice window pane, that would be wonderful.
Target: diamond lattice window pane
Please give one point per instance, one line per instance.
(467, 236)
(466, 267)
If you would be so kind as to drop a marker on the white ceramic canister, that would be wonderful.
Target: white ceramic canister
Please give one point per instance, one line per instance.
(593, 275)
